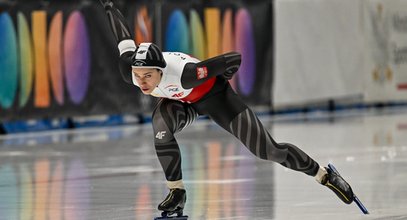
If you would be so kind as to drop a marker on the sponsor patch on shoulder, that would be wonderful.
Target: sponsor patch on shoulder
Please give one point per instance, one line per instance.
(172, 88)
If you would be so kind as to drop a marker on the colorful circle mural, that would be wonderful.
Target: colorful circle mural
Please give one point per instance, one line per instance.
(246, 46)
(177, 34)
(77, 58)
(197, 35)
(8, 61)
(55, 57)
(26, 59)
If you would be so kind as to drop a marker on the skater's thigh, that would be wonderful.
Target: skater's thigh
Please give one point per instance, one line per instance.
(172, 115)
(223, 107)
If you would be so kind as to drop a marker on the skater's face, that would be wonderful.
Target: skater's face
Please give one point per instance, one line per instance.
(147, 78)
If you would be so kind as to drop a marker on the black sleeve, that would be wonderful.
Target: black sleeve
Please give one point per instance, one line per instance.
(121, 31)
(225, 64)
(125, 66)
(117, 22)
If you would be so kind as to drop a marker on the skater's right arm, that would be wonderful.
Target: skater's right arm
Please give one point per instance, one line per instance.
(226, 64)
(125, 41)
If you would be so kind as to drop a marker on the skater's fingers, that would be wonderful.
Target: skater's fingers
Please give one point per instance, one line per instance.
(106, 3)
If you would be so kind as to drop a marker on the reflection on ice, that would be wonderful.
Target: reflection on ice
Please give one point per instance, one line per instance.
(113, 173)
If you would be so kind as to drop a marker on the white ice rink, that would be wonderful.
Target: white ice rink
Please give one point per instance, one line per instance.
(113, 173)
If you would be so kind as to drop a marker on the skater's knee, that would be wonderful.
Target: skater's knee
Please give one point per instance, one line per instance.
(162, 133)
(275, 154)
(169, 114)
(271, 153)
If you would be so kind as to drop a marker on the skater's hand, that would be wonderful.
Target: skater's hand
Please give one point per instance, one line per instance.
(233, 60)
(229, 73)
(106, 3)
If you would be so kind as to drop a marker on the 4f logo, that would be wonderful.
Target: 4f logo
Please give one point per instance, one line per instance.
(139, 63)
(160, 135)
(178, 95)
(201, 72)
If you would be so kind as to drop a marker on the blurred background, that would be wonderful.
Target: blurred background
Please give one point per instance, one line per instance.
(59, 59)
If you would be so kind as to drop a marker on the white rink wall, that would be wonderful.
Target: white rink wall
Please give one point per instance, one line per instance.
(340, 49)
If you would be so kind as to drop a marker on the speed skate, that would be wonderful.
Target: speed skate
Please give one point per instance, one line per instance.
(177, 214)
(167, 215)
(355, 198)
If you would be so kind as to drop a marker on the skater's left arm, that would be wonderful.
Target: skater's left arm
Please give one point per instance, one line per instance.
(194, 74)
(124, 39)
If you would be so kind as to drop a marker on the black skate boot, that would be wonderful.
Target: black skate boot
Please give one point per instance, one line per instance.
(338, 185)
(173, 204)
(346, 191)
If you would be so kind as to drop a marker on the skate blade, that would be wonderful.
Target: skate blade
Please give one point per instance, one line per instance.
(355, 198)
(184, 217)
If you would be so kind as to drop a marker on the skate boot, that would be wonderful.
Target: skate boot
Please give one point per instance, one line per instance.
(338, 185)
(173, 204)
(331, 169)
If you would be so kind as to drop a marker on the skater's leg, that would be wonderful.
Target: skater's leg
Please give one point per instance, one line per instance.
(248, 129)
(170, 117)
(227, 110)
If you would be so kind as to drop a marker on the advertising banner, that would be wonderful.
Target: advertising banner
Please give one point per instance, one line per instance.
(386, 53)
(60, 59)
(319, 51)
